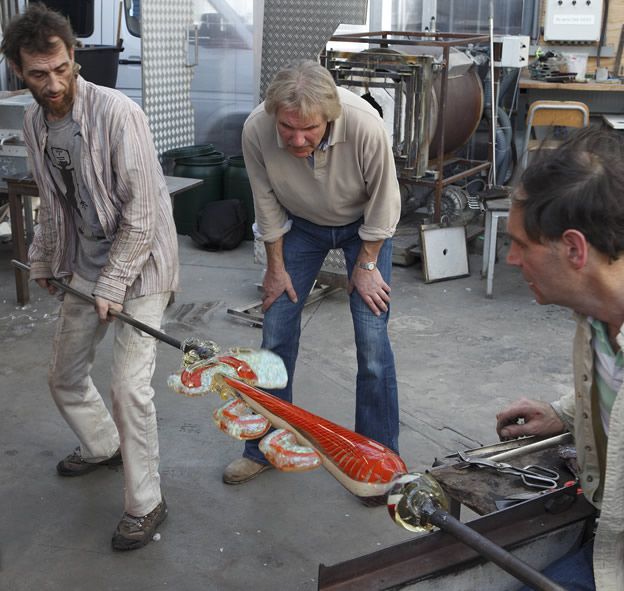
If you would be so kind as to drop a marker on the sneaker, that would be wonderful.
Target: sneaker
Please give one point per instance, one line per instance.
(243, 470)
(75, 465)
(135, 532)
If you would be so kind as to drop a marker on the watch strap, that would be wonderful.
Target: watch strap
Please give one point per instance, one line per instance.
(369, 266)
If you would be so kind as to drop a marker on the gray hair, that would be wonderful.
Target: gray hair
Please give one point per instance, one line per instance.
(305, 87)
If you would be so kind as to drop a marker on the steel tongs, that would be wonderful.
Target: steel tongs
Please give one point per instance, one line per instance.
(531, 475)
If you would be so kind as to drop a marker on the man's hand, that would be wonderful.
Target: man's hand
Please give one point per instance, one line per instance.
(275, 283)
(374, 290)
(102, 307)
(45, 284)
(539, 418)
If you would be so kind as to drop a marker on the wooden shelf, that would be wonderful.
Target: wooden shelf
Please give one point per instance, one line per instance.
(576, 86)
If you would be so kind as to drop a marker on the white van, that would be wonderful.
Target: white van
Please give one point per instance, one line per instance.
(220, 40)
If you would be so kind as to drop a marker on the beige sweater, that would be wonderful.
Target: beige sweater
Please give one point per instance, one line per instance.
(355, 177)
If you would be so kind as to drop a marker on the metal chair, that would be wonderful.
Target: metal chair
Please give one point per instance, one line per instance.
(549, 114)
(541, 114)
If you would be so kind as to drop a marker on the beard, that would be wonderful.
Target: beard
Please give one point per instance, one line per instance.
(58, 109)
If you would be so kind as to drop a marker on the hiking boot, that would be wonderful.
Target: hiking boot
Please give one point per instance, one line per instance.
(75, 465)
(243, 470)
(135, 532)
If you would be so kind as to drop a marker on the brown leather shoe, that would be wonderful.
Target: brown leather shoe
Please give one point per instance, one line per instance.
(74, 465)
(243, 470)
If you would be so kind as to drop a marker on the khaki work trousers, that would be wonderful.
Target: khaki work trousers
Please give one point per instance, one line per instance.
(132, 426)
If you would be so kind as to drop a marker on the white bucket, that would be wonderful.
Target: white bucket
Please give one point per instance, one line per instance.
(577, 63)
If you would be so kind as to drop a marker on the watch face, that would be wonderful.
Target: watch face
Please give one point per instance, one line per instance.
(368, 266)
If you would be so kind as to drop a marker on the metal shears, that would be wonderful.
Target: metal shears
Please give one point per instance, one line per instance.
(531, 475)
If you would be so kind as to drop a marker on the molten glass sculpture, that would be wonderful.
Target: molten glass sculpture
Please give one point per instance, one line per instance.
(280, 447)
(198, 376)
(302, 440)
(363, 466)
(238, 420)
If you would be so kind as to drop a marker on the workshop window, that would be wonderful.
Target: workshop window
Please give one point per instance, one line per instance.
(511, 17)
(133, 16)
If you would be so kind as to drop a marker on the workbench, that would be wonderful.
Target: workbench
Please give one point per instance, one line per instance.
(480, 488)
(20, 191)
(537, 531)
(600, 97)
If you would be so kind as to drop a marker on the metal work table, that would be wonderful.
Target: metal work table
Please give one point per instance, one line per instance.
(439, 561)
(559, 518)
(480, 488)
(20, 190)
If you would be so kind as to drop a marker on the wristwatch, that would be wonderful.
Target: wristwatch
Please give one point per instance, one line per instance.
(370, 266)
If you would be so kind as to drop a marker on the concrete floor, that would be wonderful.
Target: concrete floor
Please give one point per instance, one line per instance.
(460, 357)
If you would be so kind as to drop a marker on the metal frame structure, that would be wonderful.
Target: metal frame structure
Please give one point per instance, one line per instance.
(382, 70)
(411, 169)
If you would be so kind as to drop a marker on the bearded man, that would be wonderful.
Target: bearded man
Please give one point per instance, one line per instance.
(106, 228)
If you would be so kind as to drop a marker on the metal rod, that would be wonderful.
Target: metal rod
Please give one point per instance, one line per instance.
(532, 447)
(516, 447)
(493, 99)
(161, 336)
(507, 561)
(439, 179)
(118, 41)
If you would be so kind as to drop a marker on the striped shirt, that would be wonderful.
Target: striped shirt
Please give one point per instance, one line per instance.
(121, 171)
(608, 370)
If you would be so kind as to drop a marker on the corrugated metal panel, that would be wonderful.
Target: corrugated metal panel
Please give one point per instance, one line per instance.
(298, 30)
(166, 78)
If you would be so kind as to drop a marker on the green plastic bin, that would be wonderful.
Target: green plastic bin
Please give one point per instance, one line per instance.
(187, 205)
(170, 157)
(236, 186)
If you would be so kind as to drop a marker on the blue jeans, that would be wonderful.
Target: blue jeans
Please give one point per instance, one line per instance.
(376, 399)
(574, 571)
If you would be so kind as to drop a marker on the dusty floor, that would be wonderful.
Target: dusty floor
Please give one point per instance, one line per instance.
(459, 358)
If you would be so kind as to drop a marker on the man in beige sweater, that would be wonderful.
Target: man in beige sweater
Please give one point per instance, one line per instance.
(323, 177)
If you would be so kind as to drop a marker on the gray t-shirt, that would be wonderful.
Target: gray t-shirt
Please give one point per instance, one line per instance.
(63, 162)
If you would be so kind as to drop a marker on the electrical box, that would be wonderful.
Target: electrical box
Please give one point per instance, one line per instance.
(573, 21)
(514, 51)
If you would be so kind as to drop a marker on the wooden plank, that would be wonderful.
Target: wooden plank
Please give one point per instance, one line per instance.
(527, 83)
